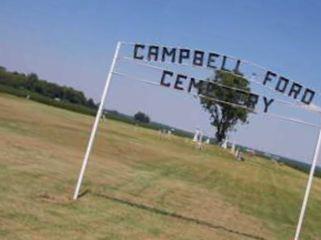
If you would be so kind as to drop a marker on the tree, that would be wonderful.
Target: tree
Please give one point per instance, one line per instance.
(33, 84)
(225, 116)
(142, 117)
(91, 103)
(31, 81)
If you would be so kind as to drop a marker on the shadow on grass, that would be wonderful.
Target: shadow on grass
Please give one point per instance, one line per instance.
(176, 216)
(83, 193)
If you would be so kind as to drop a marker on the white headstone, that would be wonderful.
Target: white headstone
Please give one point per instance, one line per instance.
(198, 138)
(233, 148)
(224, 144)
(196, 135)
(236, 153)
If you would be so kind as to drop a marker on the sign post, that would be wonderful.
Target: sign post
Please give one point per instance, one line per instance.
(308, 188)
(95, 126)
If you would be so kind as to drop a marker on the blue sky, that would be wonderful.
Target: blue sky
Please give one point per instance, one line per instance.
(72, 43)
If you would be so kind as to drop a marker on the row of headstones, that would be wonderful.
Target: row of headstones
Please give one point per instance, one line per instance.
(198, 139)
(235, 151)
(165, 132)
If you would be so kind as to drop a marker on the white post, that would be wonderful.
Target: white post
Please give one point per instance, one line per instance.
(308, 188)
(95, 126)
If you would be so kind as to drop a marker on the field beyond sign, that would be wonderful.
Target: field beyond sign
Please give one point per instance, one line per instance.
(138, 185)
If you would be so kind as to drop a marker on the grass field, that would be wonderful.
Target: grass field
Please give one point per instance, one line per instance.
(137, 185)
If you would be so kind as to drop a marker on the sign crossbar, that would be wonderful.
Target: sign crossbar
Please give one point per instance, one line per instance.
(297, 103)
(195, 66)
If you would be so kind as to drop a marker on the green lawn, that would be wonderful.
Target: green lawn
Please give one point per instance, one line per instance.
(137, 185)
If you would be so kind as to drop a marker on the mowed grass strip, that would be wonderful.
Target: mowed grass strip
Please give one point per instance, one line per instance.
(137, 185)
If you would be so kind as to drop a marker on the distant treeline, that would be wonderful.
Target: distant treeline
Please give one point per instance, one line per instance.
(298, 165)
(29, 85)
(303, 167)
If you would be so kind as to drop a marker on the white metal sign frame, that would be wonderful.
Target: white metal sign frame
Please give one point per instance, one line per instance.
(316, 155)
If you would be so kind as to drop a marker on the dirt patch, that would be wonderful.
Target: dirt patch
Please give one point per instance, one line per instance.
(46, 197)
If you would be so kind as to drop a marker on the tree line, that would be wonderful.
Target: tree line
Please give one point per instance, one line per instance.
(33, 84)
